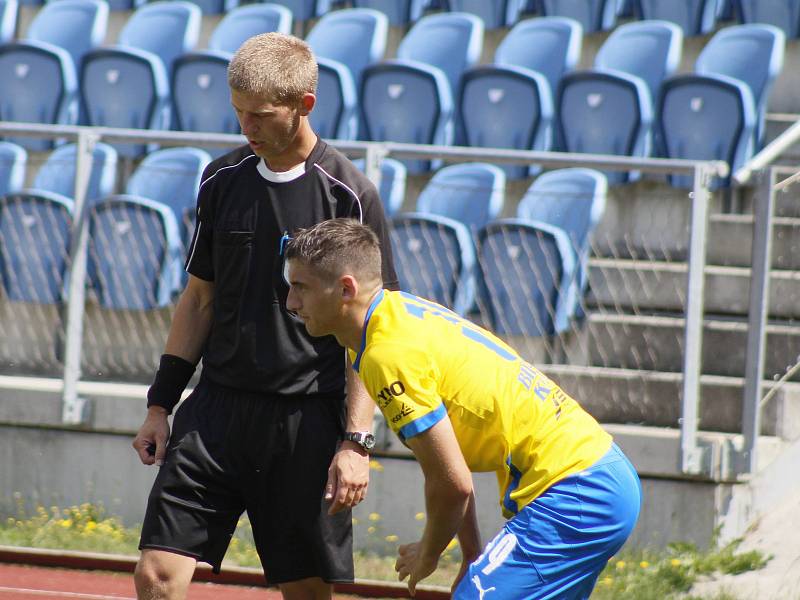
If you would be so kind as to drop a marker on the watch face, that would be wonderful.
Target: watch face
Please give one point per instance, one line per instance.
(369, 441)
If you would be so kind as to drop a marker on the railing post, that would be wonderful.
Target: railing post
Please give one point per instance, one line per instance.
(372, 163)
(74, 410)
(692, 457)
(757, 321)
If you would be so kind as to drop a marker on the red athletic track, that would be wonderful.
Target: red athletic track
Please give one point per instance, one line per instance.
(28, 574)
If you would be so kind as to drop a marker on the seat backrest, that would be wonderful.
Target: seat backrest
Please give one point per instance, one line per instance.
(303, 10)
(648, 49)
(784, 14)
(525, 278)
(450, 41)
(246, 21)
(167, 28)
(399, 12)
(494, 13)
(57, 173)
(392, 189)
(75, 25)
(434, 257)
(470, 193)
(336, 116)
(8, 20)
(201, 95)
(548, 45)
(506, 107)
(355, 37)
(694, 17)
(593, 15)
(34, 246)
(13, 159)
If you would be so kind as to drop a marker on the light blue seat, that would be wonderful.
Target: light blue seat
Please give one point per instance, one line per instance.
(606, 112)
(750, 53)
(548, 45)
(125, 87)
(729, 10)
(8, 20)
(470, 193)
(120, 5)
(507, 107)
(200, 93)
(75, 25)
(399, 12)
(34, 246)
(135, 250)
(355, 37)
(303, 10)
(525, 278)
(407, 101)
(57, 173)
(39, 86)
(784, 14)
(707, 117)
(435, 258)
(246, 21)
(628, 8)
(392, 189)
(335, 116)
(13, 159)
(494, 13)
(695, 17)
(593, 15)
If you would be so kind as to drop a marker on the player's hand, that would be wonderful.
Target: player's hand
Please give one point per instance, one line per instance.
(412, 564)
(151, 441)
(348, 477)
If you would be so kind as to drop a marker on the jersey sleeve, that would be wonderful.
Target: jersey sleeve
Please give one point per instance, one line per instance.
(376, 219)
(199, 258)
(402, 381)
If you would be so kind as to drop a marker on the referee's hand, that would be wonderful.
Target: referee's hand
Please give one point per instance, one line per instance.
(150, 442)
(348, 477)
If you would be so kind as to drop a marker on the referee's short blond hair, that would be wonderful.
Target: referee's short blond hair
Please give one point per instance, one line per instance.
(276, 66)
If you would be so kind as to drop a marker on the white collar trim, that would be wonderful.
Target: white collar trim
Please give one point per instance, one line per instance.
(282, 176)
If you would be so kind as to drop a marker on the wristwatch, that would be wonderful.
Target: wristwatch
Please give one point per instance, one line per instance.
(365, 439)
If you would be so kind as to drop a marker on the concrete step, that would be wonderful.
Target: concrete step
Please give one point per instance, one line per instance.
(731, 237)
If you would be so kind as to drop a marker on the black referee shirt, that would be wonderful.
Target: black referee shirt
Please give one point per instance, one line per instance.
(243, 212)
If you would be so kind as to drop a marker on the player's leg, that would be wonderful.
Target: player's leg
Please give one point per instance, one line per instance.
(162, 575)
(312, 588)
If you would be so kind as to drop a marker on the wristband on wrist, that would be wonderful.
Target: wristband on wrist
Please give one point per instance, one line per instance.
(171, 379)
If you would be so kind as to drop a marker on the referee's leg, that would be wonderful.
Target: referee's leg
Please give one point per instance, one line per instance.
(162, 575)
(313, 588)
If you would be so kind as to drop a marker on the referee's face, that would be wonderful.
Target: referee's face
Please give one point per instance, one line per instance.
(313, 299)
(270, 128)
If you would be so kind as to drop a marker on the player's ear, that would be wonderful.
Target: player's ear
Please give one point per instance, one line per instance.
(307, 103)
(349, 287)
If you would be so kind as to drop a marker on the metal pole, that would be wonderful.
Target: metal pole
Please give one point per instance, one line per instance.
(757, 321)
(372, 164)
(691, 455)
(73, 408)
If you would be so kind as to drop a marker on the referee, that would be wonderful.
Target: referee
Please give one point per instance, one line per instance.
(263, 430)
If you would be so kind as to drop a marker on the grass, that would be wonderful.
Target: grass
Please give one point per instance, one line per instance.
(643, 575)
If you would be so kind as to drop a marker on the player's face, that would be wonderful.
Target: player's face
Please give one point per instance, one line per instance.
(269, 128)
(313, 299)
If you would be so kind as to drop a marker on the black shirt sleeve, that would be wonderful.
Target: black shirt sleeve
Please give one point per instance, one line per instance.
(376, 219)
(199, 257)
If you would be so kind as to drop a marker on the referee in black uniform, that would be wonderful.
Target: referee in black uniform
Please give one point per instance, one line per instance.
(278, 423)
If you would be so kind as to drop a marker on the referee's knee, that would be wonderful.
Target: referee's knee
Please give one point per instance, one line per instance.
(161, 575)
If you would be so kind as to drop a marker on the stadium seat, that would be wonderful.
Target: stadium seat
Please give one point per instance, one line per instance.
(706, 117)
(200, 93)
(494, 13)
(407, 101)
(435, 258)
(246, 21)
(336, 115)
(525, 278)
(34, 246)
(399, 12)
(75, 25)
(135, 250)
(548, 45)
(507, 107)
(628, 9)
(729, 10)
(392, 189)
(8, 20)
(694, 17)
(750, 53)
(303, 10)
(39, 86)
(470, 193)
(784, 14)
(122, 5)
(605, 112)
(57, 173)
(593, 15)
(13, 160)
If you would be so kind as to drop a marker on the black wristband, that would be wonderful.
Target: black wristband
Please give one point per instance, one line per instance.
(171, 378)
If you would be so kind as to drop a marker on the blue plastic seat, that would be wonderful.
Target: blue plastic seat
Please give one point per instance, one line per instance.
(707, 117)
(34, 246)
(303, 10)
(605, 112)
(729, 10)
(135, 250)
(525, 278)
(399, 12)
(507, 107)
(8, 20)
(494, 13)
(246, 21)
(13, 159)
(784, 14)
(435, 258)
(593, 15)
(470, 193)
(392, 189)
(548, 45)
(57, 173)
(749, 53)
(406, 101)
(200, 93)
(75, 25)
(336, 115)
(695, 17)
(39, 86)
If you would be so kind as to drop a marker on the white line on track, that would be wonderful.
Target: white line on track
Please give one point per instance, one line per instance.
(52, 594)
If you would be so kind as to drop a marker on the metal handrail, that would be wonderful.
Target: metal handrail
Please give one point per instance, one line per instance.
(767, 155)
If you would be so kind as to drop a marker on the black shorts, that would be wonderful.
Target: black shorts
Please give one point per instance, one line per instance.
(233, 451)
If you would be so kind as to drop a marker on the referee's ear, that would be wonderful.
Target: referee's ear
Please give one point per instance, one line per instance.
(307, 103)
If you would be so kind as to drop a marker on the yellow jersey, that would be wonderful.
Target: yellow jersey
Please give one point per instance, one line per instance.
(421, 362)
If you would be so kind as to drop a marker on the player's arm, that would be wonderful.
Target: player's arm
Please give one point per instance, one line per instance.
(448, 488)
(469, 538)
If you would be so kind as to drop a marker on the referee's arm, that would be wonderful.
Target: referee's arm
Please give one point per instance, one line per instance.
(191, 322)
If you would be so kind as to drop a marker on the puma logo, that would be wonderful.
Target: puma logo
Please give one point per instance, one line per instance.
(476, 580)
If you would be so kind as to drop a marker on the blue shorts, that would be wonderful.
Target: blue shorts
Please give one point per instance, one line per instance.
(558, 544)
